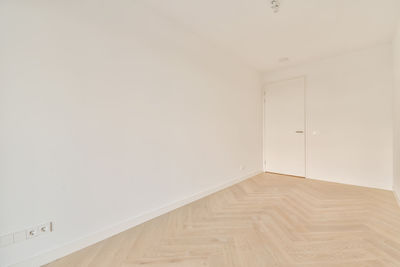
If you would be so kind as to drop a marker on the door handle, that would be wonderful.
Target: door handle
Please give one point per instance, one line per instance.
(299, 132)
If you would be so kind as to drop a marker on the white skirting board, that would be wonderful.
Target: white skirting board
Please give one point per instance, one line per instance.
(91, 239)
(354, 184)
(397, 197)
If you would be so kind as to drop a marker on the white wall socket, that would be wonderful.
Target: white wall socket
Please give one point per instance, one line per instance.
(32, 232)
(45, 228)
(26, 234)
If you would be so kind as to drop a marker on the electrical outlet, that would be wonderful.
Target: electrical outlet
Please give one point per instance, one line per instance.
(45, 228)
(32, 232)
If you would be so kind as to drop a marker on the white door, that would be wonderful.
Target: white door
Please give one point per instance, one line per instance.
(284, 150)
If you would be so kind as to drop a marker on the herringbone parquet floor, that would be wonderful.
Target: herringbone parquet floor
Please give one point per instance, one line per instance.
(268, 220)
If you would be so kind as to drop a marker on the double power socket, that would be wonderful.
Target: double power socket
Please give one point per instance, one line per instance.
(26, 234)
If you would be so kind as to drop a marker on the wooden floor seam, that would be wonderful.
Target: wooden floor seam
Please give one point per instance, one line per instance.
(268, 220)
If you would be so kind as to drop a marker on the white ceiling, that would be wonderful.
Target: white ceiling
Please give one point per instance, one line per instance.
(303, 30)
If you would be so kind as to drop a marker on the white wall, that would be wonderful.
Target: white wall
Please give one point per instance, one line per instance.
(109, 111)
(349, 105)
(396, 50)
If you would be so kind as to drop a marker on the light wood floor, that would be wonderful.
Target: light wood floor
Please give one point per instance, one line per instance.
(268, 220)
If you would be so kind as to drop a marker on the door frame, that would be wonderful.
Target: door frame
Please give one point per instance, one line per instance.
(264, 88)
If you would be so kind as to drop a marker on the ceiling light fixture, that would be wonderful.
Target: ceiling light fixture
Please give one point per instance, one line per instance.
(275, 5)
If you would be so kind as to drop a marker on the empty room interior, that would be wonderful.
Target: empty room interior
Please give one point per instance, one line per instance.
(200, 133)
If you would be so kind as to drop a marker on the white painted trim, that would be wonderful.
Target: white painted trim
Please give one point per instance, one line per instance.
(305, 127)
(358, 185)
(264, 87)
(397, 197)
(91, 239)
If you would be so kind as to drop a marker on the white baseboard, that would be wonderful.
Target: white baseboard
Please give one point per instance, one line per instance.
(397, 197)
(354, 184)
(91, 239)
